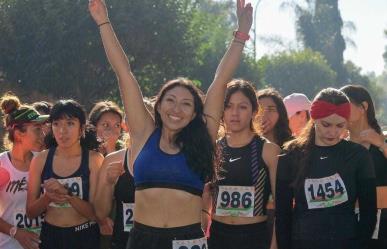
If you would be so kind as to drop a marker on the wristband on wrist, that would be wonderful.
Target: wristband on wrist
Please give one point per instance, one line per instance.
(206, 212)
(99, 25)
(241, 36)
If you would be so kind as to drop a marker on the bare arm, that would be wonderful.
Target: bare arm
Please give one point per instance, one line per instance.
(213, 106)
(110, 171)
(36, 203)
(270, 156)
(139, 119)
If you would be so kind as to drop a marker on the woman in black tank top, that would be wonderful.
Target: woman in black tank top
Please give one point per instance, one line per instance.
(248, 172)
(67, 173)
(115, 182)
(364, 129)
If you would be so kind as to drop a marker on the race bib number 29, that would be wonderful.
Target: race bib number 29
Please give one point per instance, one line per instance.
(325, 192)
(235, 201)
(74, 184)
(190, 244)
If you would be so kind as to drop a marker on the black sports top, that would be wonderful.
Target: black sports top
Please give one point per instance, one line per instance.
(78, 182)
(123, 194)
(380, 163)
(325, 201)
(244, 166)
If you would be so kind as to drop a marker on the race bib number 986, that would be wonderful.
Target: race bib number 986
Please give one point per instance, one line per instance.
(325, 192)
(235, 201)
(190, 244)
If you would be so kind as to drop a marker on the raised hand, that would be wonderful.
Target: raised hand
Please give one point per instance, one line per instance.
(245, 16)
(98, 11)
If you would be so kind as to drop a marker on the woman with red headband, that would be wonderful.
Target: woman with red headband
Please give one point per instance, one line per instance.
(325, 175)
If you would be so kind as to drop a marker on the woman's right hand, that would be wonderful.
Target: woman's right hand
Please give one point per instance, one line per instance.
(98, 11)
(113, 171)
(28, 240)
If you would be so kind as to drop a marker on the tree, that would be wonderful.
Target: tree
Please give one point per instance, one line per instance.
(319, 27)
(297, 71)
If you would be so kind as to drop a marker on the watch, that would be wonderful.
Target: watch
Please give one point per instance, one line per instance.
(12, 232)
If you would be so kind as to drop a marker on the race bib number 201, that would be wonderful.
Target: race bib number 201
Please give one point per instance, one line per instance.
(20, 220)
(325, 192)
(127, 210)
(190, 244)
(235, 201)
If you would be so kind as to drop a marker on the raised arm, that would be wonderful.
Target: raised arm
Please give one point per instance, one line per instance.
(139, 119)
(213, 106)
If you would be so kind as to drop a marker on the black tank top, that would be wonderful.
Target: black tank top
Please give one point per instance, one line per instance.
(123, 193)
(82, 172)
(244, 166)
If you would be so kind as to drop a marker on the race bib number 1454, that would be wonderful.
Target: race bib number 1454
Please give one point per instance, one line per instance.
(325, 192)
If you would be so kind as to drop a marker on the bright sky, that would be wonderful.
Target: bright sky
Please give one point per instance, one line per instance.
(368, 16)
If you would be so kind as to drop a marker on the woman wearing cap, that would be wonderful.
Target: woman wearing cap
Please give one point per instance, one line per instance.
(297, 107)
(325, 175)
(173, 155)
(273, 122)
(23, 125)
(364, 129)
(67, 171)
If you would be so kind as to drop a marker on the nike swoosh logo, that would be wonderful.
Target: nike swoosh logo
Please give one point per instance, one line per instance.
(234, 159)
(323, 157)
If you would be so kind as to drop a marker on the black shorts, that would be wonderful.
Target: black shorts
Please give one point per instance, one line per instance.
(251, 236)
(147, 237)
(326, 244)
(84, 236)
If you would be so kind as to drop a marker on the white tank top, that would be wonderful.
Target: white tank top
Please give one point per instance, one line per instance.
(13, 198)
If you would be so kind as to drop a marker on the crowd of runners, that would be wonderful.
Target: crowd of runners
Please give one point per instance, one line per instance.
(235, 168)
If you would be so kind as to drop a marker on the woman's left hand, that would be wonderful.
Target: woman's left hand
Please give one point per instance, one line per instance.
(245, 16)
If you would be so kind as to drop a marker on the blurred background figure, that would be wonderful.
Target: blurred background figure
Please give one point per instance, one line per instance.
(297, 106)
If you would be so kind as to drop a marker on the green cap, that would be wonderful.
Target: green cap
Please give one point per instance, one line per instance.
(26, 115)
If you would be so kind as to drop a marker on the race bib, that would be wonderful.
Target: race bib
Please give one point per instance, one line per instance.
(20, 220)
(325, 192)
(237, 201)
(190, 244)
(74, 184)
(127, 210)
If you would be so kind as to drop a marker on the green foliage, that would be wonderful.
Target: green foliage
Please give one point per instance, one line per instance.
(304, 71)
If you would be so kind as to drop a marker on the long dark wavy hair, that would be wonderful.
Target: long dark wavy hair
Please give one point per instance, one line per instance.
(282, 132)
(300, 148)
(247, 89)
(72, 109)
(357, 95)
(194, 139)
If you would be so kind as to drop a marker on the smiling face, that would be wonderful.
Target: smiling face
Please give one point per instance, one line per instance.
(238, 113)
(329, 130)
(176, 108)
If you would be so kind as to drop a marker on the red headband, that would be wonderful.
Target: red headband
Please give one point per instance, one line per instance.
(322, 109)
